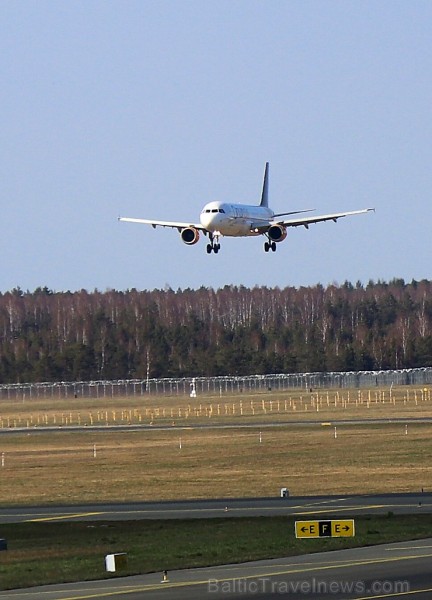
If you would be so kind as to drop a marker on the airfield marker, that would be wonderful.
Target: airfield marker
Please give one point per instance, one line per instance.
(335, 433)
(3, 459)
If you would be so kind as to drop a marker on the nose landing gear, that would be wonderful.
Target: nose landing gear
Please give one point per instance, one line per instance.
(214, 247)
(214, 244)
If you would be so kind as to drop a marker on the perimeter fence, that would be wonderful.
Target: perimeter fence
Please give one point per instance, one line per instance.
(216, 385)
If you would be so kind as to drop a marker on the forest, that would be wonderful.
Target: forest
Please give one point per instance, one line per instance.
(82, 336)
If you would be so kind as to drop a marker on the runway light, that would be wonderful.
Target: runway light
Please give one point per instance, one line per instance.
(165, 577)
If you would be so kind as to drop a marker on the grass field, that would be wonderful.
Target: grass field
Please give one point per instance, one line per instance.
(182, 410)
(183, 462)
(38, 552)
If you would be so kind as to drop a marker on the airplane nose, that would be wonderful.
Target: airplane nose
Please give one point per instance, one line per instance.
(208, 220)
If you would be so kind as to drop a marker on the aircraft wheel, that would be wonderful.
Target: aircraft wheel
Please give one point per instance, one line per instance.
(216, 248)
(273, 246)
(266, 246)
(209, 248)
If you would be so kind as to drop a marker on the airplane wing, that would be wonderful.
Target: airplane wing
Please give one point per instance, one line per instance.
(262, 225)
(294, 212)
(306, 221)
(154, 224)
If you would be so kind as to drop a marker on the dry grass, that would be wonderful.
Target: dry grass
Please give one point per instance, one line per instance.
(60, 467)
(252, 408)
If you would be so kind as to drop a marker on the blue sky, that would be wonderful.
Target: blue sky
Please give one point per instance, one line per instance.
(153, 108)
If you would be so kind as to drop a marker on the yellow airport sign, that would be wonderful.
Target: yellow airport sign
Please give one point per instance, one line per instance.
(331, 528)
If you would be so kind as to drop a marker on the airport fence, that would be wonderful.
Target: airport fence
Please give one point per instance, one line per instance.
(216, 385)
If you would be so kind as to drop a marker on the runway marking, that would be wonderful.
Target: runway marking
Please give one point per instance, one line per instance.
(299, 507)
(311, 508)
(325, 564)
(320, 502)
(325, 507)
(170, 585)
(404, 548)
(346, 508)
(396, 594)
(63, 517)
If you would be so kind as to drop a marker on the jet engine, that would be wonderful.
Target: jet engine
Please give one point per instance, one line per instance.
(277, 233)
(190, 235)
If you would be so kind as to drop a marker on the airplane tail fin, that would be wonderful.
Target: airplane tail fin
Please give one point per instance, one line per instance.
(264, 195)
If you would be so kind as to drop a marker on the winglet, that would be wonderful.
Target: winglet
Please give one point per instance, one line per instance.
(264, 195)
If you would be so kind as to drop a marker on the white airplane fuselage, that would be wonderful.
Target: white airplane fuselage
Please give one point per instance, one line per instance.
(235, 220)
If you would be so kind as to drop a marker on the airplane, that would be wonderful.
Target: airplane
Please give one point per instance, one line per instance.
(218, 219)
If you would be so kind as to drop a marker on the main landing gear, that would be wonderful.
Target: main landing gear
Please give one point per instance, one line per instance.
(269, 246)
(214, 244)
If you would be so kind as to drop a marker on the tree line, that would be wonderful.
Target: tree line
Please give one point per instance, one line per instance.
(66, 336)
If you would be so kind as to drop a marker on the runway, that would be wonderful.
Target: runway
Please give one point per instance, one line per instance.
(400, 570)
(304, 506)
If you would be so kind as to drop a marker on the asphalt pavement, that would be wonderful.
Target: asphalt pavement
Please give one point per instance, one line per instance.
(399, 570)
(337, 505)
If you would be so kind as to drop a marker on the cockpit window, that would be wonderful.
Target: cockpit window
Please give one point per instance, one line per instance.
(213, 210)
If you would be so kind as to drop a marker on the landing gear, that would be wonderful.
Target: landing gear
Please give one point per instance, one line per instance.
(269, 246)
(214, 244)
